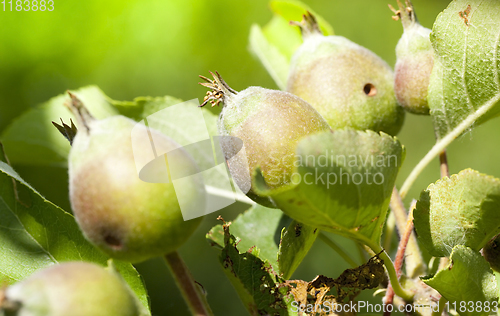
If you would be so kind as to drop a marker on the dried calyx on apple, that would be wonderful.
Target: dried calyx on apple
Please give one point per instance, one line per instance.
(347, 84)
(119, 213)
(270, 123)
(415, 60)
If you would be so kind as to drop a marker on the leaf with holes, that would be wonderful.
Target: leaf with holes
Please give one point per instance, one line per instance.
(468, 279)
(464, 87)
(34, 233)
(251, 274)
(460, 210)
(342, 183)
(281, 241)
(258, 227)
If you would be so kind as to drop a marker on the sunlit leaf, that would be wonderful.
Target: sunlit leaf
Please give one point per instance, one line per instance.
(293, 10)
(342, 183)
(460, 210)
(468, 279)
(275, 62)
(32, 139)
(465, 84)
(275, 43)
(280, 34)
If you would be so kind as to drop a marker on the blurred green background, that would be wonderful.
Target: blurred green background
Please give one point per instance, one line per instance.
(159, 47)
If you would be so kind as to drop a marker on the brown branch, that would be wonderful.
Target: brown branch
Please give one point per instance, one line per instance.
(443, 164)
(400, 255)
(415, 265)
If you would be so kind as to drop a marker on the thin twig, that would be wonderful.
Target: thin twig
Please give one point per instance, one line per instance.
(338, 249)
(388, 300)
(444, 142)
(399, 211)
(415, 264)
(443, 164)
(195, 300)
(400, 256)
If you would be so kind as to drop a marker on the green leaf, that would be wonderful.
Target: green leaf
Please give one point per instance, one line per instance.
(32, 139)
(34, 233)
(266, 228)
(258, 227)
(468, 278)
(464, 87)
(293, 10)
(342, 183)
(33, 134)
(191, 125)
(460, 210)
(275, 43)
(281, 35)
(275, 62)
(253, 278)
(187, 124)
(296, 241)
(141, 107)
(497, 278)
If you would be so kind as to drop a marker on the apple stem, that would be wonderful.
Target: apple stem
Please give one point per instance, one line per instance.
(190, 291)
(406, 295)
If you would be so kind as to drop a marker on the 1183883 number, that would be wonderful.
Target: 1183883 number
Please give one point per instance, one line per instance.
(28, 5)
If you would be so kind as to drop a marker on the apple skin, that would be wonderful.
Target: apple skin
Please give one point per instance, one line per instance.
(72, 288)
(125, 217)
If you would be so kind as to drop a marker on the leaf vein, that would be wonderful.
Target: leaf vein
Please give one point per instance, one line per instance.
(22, 225)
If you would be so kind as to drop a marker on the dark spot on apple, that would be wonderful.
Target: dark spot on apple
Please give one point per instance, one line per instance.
(114, 242)
(370, 90)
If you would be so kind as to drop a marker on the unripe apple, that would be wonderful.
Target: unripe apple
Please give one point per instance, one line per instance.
(72, 288)
(347, 84)
(270, 123)
(119, 213)
(415, 59)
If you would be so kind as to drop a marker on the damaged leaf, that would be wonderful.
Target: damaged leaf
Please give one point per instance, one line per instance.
(254, 279)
